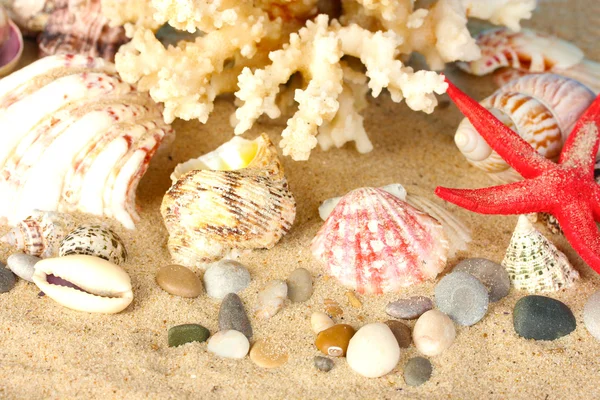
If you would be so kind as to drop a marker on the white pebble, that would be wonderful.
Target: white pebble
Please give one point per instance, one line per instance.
(433, 333)
(319, 321)
(271, 299)
(591, 315)
(224, 277)
(23, 265)
(373, 351)
(229, 344)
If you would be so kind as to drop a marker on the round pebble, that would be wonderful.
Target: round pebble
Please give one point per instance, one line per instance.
(591, 315)
(417, 371)
(229, 344)
(300, 285)
(433, 333)
(334, 341)
(187, 333)
(373, 351)
(232, 315)
(7, 279)
(411, 308)
(493, 276)
(178, 280)
(319, 321)
(271, 299)
(542, 318)
(323, 363)
(401, 332)
(226, 276)
(23, 265)
(462, 297)
(266, 355)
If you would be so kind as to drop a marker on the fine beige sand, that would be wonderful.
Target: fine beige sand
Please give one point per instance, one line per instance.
(50, 352)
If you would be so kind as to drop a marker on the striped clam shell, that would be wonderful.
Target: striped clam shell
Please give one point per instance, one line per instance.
(534, 264)
(541, 108)
(373, 242)
(74, 137)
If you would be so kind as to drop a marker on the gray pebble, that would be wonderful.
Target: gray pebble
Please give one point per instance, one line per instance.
(591, 315)
(411, 308)
(226, 276)
(323, 363)
(300, 285)
(233, 316)
(7, 279)
(493, 276)
(542, 318)
(462, 297)
(417, 371)
(22, 265)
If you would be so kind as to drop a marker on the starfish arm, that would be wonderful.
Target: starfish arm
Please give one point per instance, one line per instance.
(577, 223)
(509, 145)
(521, 197)
(581, 146)
(596, 203)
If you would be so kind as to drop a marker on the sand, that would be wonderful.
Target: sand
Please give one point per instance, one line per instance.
(50, 352)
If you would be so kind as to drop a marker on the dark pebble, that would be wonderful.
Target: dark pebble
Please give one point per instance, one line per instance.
(417, 371)
(323, 363)
(233, 316)
(542, 318)
(411, 308)
(7, 279)
(182, 334)
(402, 333)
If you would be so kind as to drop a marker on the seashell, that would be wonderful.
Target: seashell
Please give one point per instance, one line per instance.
(457, 233)
(373, 242)
(74, 137)
(76, 27)
(211, 214)
(11, 44)
(40, 234)
(94, 240)
(541, 108)
(31, 15)
(534, 263)
(84, 283)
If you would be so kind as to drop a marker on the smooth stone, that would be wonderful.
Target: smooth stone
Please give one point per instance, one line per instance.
(433, 333)
(266, 355)
(493, 276)
(462, 297)
(319, 321)
(323, 363)
(334, 341)
(182, 334)
(401, 332)
(232, 315)
(271, 299)
(411, 308)
(226, 276)
(7, 279)
(417, 371)
(229, 344)
(179, 280)
(542, 318)
(23, 265)
(373, 351)
(300, 285)
(591, 315)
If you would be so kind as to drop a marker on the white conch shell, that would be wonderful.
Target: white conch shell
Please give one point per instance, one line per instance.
(211, 214)
(534, 263)
(541, 108)
(373, 242)
(457, 233)
(105, 287)
(40, 234)
(94, 240)
(74, 137)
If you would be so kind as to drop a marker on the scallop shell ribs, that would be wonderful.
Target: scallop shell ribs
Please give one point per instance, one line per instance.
(74, 137)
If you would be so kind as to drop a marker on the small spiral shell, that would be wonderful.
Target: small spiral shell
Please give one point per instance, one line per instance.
(541, 108)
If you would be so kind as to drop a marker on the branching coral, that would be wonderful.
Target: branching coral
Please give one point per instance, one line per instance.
(253, 48)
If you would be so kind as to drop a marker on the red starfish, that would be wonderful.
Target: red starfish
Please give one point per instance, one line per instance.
(566, 190)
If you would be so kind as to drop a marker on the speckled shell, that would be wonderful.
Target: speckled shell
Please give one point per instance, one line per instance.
(541, 108)
(105, 287)
(40, 234)
(31, 15)
(534, 264)
(373, 242)
(94, 240)
(211, 214)
(76, 27)
(74, 137)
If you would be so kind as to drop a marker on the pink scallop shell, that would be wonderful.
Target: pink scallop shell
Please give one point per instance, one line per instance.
(373, 242)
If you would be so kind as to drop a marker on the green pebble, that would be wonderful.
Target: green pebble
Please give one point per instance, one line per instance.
(182, 334)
